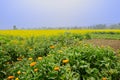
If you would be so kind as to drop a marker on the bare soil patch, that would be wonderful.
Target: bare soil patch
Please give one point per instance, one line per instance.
(115, 44)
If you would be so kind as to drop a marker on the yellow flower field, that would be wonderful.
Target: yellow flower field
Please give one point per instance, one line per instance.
(28, 33)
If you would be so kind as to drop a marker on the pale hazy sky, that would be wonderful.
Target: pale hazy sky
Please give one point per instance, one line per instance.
(58, 13)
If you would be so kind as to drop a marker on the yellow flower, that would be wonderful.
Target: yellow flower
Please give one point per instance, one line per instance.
(57, 68)
(33, 64)
(16, 78)
(65, 61)
(29, 58)
(18, 72)
(104, 78)
(36, 69)
(11, 77)
(52, 47)
(39, 58)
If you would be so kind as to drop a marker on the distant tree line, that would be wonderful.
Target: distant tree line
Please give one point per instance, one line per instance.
(104, 26)
(98, 26)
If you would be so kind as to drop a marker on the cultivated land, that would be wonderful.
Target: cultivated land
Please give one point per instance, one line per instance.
(115, 44)
(59, 55)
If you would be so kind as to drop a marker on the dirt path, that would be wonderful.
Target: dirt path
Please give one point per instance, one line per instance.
(115, 44)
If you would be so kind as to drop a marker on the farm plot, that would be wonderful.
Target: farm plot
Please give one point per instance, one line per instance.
(58, 57)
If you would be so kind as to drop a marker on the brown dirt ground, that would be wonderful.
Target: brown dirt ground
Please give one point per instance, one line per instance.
(115, 44)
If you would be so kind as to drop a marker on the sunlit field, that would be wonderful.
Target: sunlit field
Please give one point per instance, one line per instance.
(57, 55)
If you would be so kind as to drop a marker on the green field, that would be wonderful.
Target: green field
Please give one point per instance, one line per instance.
(105, 36)
(62, 57)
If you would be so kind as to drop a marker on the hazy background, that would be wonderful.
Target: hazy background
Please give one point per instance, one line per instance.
(57, 13)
